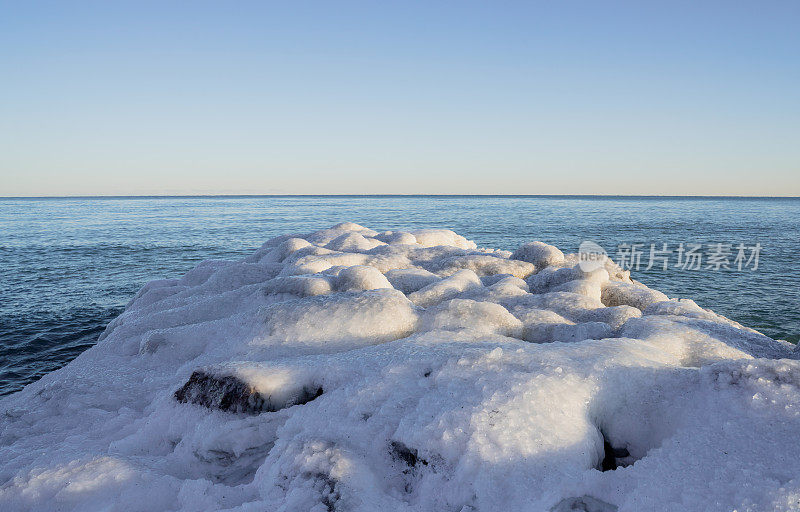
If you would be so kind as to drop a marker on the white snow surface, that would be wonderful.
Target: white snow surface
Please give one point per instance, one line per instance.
(453, 379)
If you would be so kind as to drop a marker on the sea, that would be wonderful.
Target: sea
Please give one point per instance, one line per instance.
(68, 266)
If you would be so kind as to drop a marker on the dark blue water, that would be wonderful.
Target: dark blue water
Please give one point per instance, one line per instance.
(68, 266)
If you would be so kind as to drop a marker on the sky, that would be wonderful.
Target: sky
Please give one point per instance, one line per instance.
(570, 97)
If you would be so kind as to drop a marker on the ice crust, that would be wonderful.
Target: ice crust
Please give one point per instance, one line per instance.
(355, 370)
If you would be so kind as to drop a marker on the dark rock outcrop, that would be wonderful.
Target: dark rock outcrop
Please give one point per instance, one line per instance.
(229, 393)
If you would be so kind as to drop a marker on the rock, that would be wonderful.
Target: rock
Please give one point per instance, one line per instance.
(229, 393)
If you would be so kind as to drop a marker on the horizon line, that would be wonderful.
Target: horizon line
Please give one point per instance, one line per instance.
(235, 196)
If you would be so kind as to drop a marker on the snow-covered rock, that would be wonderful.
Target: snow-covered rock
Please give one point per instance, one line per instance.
(355, 370)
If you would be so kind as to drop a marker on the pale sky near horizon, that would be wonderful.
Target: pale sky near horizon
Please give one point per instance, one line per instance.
(140, 98)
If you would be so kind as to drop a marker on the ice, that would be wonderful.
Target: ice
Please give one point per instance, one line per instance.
(540, 254)
(442, 237)
(446, 289)
(397, 238)
(370, 317)
(303, 286)
(486, 265)
(353, 242)
(552, 278)
(361, 370)
(614, 316)
(630, 294)
(361, 278)
(411, 279)
(477, 317)
(581, 331)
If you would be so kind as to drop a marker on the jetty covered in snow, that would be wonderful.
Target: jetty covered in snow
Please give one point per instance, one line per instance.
(355, 370)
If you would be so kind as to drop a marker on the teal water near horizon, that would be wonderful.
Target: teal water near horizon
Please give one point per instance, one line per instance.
(69, 265)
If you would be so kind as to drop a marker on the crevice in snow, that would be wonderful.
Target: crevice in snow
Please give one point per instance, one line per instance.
(230, 468)
(614, 456)
(410, 464)
(583, 503)
(409, 456)
(327, 489)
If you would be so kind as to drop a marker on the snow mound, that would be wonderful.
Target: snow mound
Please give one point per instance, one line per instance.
(351, 369)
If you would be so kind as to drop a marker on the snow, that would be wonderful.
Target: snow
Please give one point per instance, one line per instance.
(540, 254)
(350, 369)
(445, 289)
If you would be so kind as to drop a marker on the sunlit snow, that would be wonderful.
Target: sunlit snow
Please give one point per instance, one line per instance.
(351, 370)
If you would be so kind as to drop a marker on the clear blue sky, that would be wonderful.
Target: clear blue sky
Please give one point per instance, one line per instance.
(569, 97)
